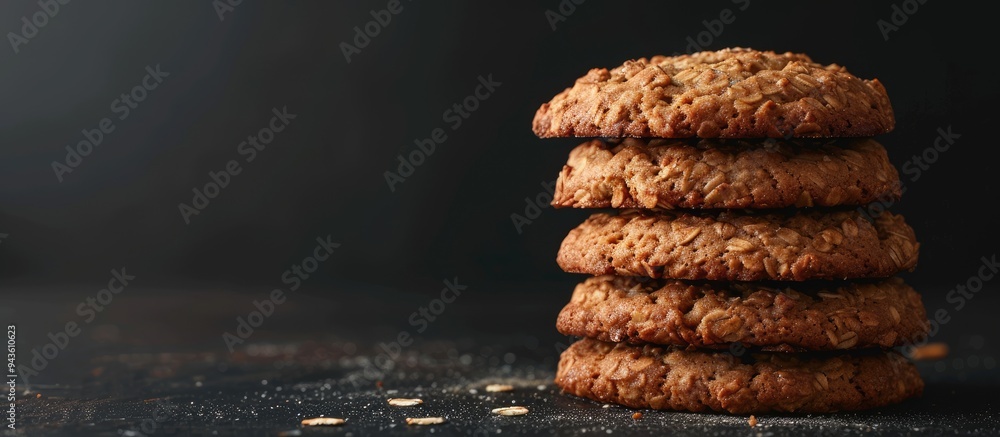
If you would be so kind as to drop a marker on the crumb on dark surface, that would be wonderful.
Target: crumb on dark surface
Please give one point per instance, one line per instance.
(930, 352)
(267, 386)
(235, 402)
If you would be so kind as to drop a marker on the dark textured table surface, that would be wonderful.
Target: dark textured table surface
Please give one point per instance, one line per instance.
(172, 373)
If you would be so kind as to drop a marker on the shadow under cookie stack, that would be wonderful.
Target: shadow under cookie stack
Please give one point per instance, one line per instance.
(738, 271)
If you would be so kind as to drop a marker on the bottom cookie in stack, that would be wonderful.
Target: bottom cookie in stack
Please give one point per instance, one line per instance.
(797, 334)
(700, 380)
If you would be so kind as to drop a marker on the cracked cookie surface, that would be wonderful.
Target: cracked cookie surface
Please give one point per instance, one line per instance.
(665, 173)
(730, 93)
(672, 379)
(740, 245)
(794, 317)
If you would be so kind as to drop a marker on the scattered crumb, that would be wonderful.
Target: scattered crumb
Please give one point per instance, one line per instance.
(424, 420)
(511, 411)
(541, 387)
(323, 421)
(752, 421)
(636, 416)
(38, 395)
(606, 406)
(404, 402)
(930, 351)
(499, 387)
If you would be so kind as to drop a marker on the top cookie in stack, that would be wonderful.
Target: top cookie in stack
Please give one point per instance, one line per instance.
(716, 150)
(731, 93)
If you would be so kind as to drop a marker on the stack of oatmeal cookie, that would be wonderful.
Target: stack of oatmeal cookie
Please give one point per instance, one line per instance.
(738, 271)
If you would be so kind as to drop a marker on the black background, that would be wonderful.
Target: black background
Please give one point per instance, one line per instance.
(324, 175)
